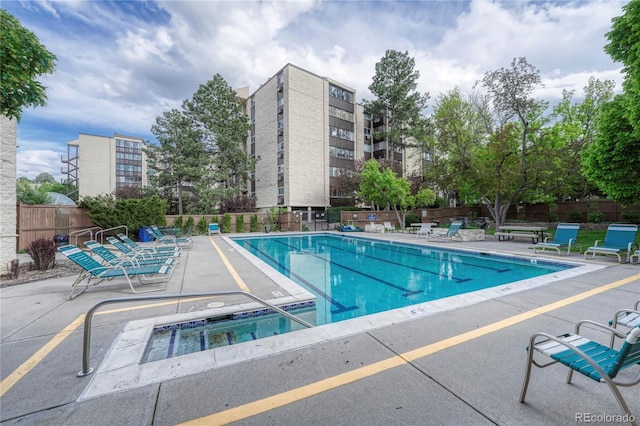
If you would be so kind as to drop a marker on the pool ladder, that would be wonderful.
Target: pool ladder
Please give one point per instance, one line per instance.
(87, 370)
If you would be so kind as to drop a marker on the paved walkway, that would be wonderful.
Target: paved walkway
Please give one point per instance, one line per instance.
(453, 366)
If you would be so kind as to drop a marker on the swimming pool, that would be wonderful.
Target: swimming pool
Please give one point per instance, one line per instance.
(353, 277)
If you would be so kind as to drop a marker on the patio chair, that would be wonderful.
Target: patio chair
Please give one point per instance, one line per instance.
(566, 235)
(636, 255)
(167, 249)
(214, 228)
(143, 253)
(626, 318)
(111, 259)
(162, 239)
(448, 236)
(93, 272)
(620, 238)
(425, 229)
(388, 227)
(592, 359)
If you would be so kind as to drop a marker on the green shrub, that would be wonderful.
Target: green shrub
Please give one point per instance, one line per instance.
(188, 226)
(203, 225)
(253, 223)
(178, 223)
(107, 212)
(226, 223)
(411, 218)
(631, 217)
(553, 217)
(595, 217)
(574, 216)
(43, 253)
(240, 223)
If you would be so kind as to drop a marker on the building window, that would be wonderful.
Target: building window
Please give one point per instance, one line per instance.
(340, 113)
(367, 147)
(335, 171)
(367, 131)
(337, 132)
(340, 153)
(339, 93)
(281, 190)
(280, 124)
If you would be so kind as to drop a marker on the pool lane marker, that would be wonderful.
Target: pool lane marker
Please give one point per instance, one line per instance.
(276, 401)
(230, 268)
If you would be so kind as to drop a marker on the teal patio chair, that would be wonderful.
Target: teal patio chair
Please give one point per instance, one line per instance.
(598, 362)
(143, 253)
(166, 249)
(565, 236)
(162, 239)
(214, 228)
(93, 272)
(112, 259)
(448, 236)
(619, 239)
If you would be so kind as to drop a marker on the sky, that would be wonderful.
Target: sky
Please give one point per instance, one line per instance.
(121, 64)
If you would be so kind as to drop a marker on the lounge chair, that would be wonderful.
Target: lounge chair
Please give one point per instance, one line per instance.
(619, 239)
(592, 359)
(350, 228)
(448, 236)
(388, 227)
(109, 258)
(162, 239)
(214, 228)
(425, 229)
(628, 319)
(93, 272)
(373, 227)
(167, 249)
(566, 235)
(143, 253)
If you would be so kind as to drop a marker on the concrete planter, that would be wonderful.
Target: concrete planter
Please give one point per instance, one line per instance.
(463, 234)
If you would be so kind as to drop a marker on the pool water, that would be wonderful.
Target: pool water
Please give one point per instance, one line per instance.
(353, 277)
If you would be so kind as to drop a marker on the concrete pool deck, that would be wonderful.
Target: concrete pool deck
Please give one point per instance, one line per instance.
(459, 365)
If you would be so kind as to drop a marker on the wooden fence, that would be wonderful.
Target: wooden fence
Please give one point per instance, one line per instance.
(46, 221)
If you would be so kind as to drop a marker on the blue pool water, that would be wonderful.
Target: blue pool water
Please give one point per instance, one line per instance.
(353, 276)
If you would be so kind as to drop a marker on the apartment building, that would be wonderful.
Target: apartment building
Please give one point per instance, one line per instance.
(307, 129)
(98, 165)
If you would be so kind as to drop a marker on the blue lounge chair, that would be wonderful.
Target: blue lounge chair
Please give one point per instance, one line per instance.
(214, 228)
(598, 362)
(448, 236)
(93, 272)
(165, 249)
(162, 239)
(351, 228)
(109, 258)
(143, 253)
(566, 235)
(620, 238)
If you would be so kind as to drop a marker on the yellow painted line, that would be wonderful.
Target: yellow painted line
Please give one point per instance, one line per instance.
(26, 366)
(232, 271)
(294, 395)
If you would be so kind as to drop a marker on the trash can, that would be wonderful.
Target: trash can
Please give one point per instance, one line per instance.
(61, 240)
(143, 234)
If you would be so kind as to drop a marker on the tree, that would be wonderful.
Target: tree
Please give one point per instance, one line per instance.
(217, 115)
(612, 161)
(382, 187)
(44, 178)
(575, 128)
(397, 100)
(624, 46)
(180, 159)
(27, 193)
(23, 59)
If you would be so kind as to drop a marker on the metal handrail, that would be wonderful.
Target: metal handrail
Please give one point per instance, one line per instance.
(87, 370)
(80, 232)
(102, 231)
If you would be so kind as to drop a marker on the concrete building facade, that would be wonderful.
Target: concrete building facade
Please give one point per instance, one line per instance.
(99, 165)
(305, 129)
(8, 159)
